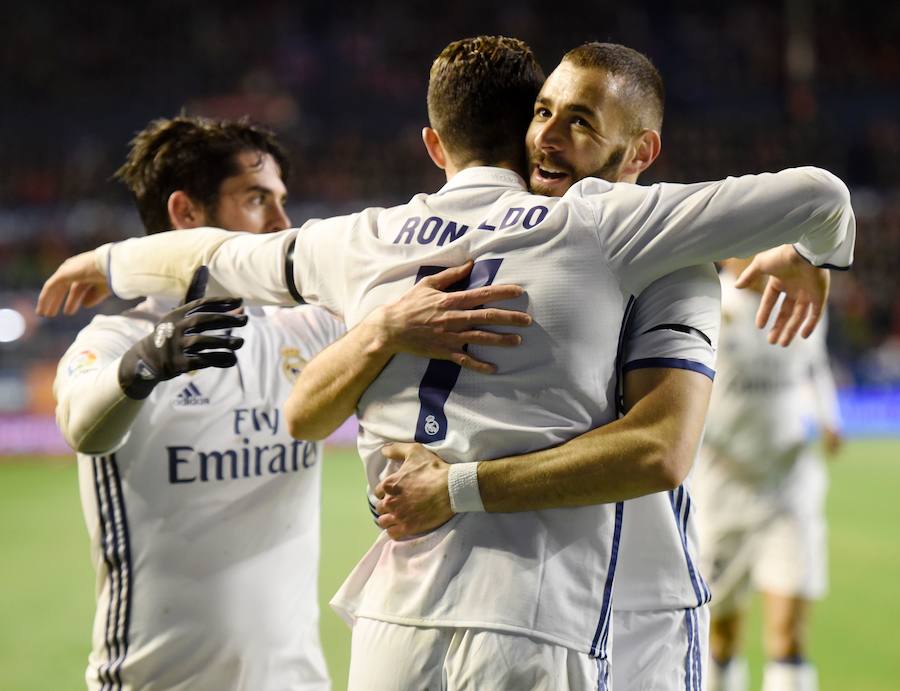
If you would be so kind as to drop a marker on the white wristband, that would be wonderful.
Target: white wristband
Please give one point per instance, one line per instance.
(462, 481)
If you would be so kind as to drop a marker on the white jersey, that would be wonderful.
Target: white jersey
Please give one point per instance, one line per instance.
(581, 258)
(675, 325)
(204, 522)
(767, 399)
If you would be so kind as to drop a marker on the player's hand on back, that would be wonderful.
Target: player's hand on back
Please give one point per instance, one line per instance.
(415, 498)
(805, 289)
(180, 342)
(75, 284)
(430, 322)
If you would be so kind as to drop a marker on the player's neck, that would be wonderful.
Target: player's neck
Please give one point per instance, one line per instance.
(451, 169)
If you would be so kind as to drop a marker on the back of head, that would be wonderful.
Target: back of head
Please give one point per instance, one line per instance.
(481, 93)
(643, 95)
(191, 154)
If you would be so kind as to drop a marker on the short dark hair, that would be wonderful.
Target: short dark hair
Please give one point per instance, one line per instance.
(481, 94)
(642, 81)
(192, 154)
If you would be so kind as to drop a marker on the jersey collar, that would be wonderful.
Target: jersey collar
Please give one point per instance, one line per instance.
(484, 176)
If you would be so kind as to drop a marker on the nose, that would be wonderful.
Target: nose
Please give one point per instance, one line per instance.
(278, 218)
(549, 137)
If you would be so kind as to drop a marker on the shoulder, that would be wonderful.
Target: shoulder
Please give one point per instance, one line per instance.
(692, 294)
(310, 325)
(128, 326)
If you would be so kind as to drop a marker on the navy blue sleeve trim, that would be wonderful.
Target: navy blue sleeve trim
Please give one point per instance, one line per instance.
(831, 267)
(670, 363)
(289, 274)
(683, 328)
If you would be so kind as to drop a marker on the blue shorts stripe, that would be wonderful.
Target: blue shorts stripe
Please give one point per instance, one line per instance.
(698, 660)
(689, 653)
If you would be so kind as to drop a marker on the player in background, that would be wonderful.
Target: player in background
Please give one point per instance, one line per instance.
(430, 608)
(760, 487)
(203, 511)
(598, 114)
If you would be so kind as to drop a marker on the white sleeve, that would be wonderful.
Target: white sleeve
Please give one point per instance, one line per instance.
(675, 323)
(648, 232)
(92, 411)
(321, 269)
(244, 265)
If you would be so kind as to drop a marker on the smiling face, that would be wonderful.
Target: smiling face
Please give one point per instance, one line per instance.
(579, 129)
(253, 199)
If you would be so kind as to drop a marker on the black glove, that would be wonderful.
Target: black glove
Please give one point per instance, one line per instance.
(178, 344)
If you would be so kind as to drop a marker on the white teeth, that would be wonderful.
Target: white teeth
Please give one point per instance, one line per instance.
(544, 170)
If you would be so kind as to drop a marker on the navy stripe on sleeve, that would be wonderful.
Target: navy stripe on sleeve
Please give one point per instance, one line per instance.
(670, 363)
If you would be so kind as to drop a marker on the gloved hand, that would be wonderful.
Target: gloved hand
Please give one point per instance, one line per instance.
(178, 344)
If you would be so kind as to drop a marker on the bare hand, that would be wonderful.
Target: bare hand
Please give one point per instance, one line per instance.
(429, 322)
(75, 284)
(415, 498)
(805, 289)
(832, 440)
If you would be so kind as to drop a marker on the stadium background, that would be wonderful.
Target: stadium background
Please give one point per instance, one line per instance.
(751, 86)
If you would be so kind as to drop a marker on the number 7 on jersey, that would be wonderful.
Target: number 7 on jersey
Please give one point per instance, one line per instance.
(441, 375)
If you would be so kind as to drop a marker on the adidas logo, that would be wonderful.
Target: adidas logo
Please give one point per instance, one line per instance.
(190, 396)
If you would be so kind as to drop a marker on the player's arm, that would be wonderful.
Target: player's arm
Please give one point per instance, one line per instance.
(648, 450)
(647, 232)
(425, 321)
(104, 378)
(92, 412)
(667, 383)
(242, 264)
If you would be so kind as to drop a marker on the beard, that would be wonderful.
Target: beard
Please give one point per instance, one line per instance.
(608, 170)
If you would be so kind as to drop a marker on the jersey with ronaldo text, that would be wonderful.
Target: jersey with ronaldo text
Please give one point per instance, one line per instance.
(582, 259)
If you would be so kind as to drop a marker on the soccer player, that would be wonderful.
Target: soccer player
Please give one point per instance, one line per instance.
(599, 113)
(203, 511)
(510, 600)
(760, 487)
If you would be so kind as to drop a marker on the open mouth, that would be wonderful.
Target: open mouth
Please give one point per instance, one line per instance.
(549, 175)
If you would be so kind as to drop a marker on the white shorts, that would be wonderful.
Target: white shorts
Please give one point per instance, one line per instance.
(771, 542)
(663, 649)
(394, 657)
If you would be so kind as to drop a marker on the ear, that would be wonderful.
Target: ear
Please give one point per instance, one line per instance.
(184, 212)
(644, 149)
(434, 147)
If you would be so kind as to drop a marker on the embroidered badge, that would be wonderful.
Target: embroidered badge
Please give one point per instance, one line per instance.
(85, 361)
(291, 363)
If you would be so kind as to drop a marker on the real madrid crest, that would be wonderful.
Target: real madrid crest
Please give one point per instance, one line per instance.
(291, 363)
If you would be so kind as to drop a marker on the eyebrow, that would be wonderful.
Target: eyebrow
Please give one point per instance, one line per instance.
(574, 107)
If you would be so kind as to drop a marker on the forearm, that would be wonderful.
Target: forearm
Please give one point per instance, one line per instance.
(649, 450)
(93, 412)
(331, 384)
(240, 264)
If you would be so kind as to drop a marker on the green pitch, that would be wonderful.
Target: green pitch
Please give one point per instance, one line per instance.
(46, 583)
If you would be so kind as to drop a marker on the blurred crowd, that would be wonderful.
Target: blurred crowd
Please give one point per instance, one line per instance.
(751, 86)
